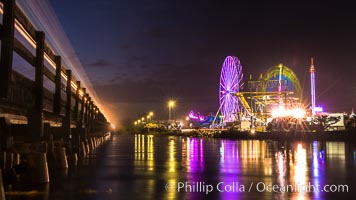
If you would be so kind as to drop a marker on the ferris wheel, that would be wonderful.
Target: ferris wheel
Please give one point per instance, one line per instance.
(230, 83)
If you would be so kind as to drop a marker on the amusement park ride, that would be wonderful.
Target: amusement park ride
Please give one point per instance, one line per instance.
(271, 103)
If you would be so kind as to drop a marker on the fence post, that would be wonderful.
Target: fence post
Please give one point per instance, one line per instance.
(36, 118)
(91, 116)
(76, 106)
(7, 46)
(58, 83)
(82, 108)
(67, 118)
(95, 118)
(86, 114)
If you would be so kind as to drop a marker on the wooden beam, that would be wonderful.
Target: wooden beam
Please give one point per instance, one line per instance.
(36, 116)
(7, 46)
(76, 106)
(94, 124)
(90, 120)
(20, 49)
(49, 74)
(49, 52)
(26, 24)
(87, 108)
(40, 37)
(67, 118)
(58, 82)
(82, 108)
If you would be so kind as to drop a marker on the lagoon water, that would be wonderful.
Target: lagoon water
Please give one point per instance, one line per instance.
(159, 167)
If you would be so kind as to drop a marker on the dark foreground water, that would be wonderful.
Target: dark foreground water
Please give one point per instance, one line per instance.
(149, 167)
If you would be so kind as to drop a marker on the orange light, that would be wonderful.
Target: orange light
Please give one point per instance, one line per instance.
(113, 126)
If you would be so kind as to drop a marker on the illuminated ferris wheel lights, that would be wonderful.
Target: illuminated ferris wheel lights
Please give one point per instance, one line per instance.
(230, 84)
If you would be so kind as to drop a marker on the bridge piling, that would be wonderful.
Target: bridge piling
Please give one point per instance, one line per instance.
(2, 192)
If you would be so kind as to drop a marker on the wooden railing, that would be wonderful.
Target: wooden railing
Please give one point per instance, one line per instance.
(23, 96)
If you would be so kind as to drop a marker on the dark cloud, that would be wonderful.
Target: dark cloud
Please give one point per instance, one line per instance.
(155, 32)
(135, 59)
(126, 46)
(100, 63)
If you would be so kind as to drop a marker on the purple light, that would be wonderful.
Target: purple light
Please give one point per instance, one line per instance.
(230, 166)
(318, 167)
(318, 109)
(312, 84)
(192, 115)
(230, 83)
(196, 155)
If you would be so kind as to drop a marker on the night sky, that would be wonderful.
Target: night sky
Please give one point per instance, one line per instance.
(139, 54)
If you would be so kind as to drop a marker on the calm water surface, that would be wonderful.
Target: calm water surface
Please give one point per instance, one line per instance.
(149, 167)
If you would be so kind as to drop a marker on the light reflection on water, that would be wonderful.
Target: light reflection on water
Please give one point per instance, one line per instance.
(300, 165)
(142, 166)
